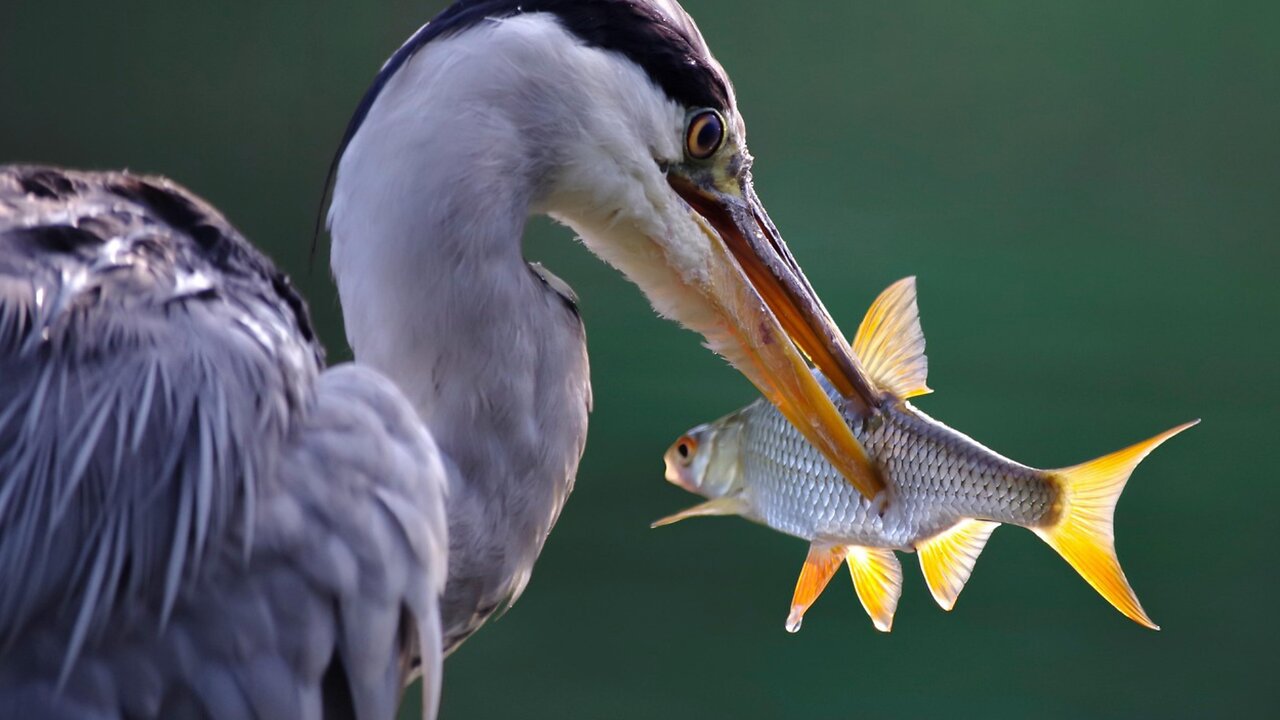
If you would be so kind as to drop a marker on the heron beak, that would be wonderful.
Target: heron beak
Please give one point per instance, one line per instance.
(772, 314)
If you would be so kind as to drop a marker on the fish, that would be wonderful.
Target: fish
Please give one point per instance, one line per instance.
(945, 492)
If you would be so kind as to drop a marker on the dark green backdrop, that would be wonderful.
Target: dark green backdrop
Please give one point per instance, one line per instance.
(1089, 193)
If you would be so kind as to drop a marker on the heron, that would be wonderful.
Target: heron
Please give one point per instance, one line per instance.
(198, 518)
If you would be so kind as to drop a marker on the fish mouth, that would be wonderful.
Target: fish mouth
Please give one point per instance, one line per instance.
(772, 315)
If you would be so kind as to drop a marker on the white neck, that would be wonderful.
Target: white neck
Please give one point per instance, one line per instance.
(429, 207)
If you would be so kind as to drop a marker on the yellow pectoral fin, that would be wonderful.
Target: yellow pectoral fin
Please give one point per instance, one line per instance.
(947, 558)
(719, 506)
(819, 566)
(877, 577)
(890, 343)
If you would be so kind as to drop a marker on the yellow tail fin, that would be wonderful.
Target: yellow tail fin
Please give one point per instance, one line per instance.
(1083, 533)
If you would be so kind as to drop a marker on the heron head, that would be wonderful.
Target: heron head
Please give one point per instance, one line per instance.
(656, 177)
(613, 117)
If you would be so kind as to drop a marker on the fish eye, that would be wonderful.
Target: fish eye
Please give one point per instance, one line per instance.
(685, 447)
(704, 134)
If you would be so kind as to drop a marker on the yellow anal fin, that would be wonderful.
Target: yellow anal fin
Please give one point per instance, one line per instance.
(890, 343)
(947, 558)
(719, 506)
(1084, 533)
(819, 566)
(877, 577)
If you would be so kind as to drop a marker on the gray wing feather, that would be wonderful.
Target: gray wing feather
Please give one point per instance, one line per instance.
(204, 524)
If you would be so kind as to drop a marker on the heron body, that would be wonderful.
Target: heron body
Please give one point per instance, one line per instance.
(205, 522)
(209, 524)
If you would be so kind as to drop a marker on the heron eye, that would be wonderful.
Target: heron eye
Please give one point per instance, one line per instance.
(705, 134)
(686, 446)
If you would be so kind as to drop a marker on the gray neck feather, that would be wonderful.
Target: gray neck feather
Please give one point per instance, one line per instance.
(427, 219)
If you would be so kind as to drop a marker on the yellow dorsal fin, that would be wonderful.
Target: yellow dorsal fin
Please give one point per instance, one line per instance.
(818, 568)
(947, 558)
(890, 343)
(719, 506)
(1083, 532)
(877, 577)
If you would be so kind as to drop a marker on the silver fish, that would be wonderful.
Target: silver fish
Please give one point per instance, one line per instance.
(945, 493)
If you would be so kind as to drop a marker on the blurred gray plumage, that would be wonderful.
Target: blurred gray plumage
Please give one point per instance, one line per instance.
(196, 519)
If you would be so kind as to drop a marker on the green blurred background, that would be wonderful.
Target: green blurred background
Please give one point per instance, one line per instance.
(1089, 193)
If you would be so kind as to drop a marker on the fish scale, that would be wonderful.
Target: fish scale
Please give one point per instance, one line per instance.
(944, 492)
(936, 476)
